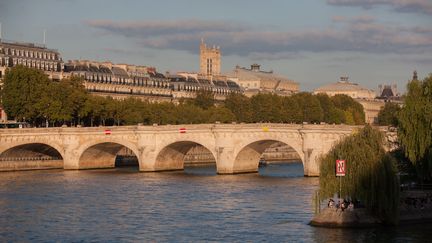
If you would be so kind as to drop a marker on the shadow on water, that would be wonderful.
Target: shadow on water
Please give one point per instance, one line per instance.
(202, 170)
(282, 170)
(276, 170)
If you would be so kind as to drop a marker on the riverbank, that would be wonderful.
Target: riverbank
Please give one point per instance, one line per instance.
(415, 207)
(334, 217)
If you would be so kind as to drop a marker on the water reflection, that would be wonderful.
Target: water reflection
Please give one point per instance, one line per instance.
(196, 205)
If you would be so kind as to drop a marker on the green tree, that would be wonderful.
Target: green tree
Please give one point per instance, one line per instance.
(76, 96)
(332, 114)
(266, 108)
(24, 91)
(219, 114)
(240, 106)
(388, 115)
(204, 99)
(291, 110)
(132, 112)
(354, 113)
(415, 126)
(189, 113)
(370, 173)
(310, 106)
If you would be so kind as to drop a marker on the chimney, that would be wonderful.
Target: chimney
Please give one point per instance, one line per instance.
(255, 67)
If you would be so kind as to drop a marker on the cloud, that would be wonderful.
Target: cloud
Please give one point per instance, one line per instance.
(356, 34)
(403, 6)
(159, 28)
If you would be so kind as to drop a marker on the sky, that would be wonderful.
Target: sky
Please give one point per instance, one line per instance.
(313, 42)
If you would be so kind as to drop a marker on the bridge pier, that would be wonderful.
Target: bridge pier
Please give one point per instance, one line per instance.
(226, 162)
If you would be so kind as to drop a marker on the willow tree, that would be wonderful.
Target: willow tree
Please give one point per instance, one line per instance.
(370, 174)
(415, 126)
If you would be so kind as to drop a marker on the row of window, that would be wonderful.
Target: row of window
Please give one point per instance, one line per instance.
(42, 65)
(190, 88)
(31, 54)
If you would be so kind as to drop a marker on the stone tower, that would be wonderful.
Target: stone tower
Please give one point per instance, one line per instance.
(209, 59)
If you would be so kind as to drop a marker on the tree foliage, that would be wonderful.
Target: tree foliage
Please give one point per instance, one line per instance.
(370, 173)
(388, 115)
(415, 126)
(25, 93)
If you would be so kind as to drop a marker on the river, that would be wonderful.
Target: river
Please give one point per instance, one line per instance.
(122, 205)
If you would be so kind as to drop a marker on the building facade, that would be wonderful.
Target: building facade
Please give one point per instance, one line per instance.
(210, 60)
(30, 55)
(255, 80)
(123, 80)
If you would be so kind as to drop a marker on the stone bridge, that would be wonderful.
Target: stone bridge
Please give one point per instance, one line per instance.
(236, 148)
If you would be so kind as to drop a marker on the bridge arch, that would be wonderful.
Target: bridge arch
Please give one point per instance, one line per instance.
(25, 156)
(172, 156)
(248, 155)
(103, 154)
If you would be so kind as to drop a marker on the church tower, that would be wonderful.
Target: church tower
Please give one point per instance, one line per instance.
(209, 60)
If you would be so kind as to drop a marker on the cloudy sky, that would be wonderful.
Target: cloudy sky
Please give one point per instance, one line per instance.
(311, 41)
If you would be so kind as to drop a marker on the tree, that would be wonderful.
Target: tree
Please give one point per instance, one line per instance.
(415, 126)
(240, 106)
(266, 108)
(291, 110)
(354, 113)
(332, 114)
(388, 115)
(219, 114)
(370, 173)
(24, 91)
(310, 106)
(204, 99)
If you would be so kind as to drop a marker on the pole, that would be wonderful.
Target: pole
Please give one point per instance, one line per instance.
(340, 187)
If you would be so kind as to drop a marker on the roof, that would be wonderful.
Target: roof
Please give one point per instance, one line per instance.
(341, 86)
(268, 80)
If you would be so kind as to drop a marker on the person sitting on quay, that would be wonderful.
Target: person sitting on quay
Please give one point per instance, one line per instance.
(351, 206)
(339, 204)
(343, 205)
(330, 204)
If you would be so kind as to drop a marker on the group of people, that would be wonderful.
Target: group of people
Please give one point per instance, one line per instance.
(420, 202)
(342, 204)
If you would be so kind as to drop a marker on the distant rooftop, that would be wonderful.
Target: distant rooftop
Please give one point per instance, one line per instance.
(26, 45)
(342, 85)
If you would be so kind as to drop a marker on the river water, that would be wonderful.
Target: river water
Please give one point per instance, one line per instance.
(122, 205)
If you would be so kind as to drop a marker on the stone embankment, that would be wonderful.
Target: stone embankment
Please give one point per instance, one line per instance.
(415, 207)
(30, 164)
(334, 217)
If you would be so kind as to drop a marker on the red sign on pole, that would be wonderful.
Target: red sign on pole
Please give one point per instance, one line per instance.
(340, 167)
(182, 130)
(107, 132)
